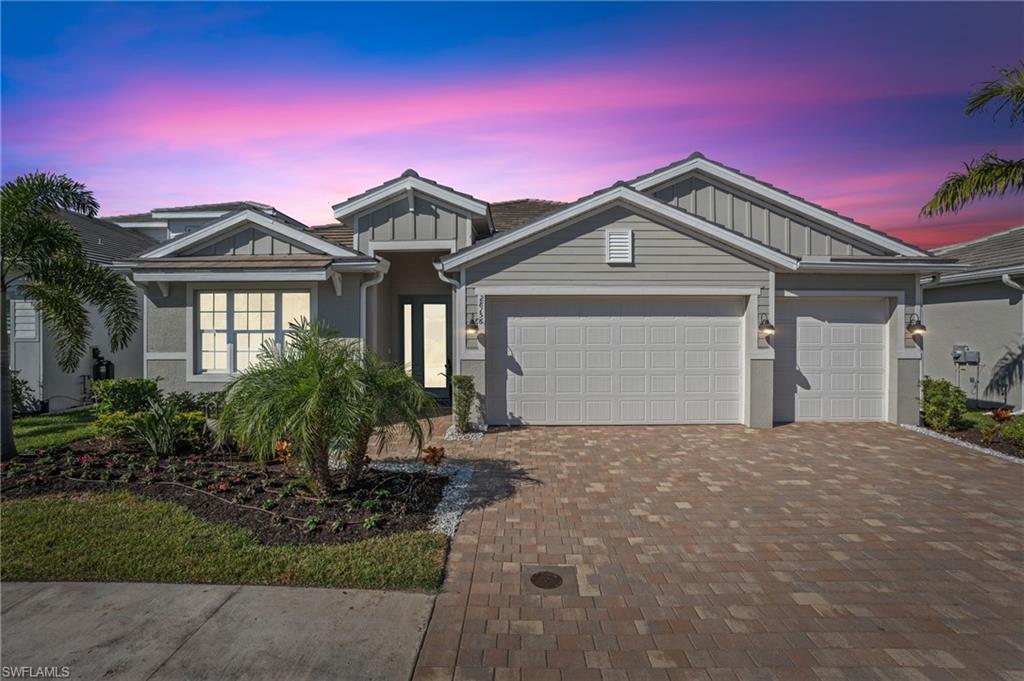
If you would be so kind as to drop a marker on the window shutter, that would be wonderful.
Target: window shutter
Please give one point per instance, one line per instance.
(619, 246)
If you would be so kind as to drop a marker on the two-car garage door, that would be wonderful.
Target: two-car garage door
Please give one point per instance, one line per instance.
(612, 360)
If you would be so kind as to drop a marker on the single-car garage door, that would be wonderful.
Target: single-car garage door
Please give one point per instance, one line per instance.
(830, 359)
(614, 360)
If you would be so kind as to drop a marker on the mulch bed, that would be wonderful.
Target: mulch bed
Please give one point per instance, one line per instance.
(272, 502)
(997, 442)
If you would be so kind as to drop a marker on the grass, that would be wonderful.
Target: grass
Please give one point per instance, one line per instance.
(119, 536)
(53, 430)
(976, 418)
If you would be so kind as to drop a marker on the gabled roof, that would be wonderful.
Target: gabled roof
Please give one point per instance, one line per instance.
(699, 162)
(291, 231)
(1002, 249)
(506, 215)
(620, 194)
(410, 180)
(103, 241)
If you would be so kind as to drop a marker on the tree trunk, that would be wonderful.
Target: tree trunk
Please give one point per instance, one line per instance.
(8, 450)
(322, 473)
(356, 457)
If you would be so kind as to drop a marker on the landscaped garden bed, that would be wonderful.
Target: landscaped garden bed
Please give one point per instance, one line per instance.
(274, 502)
(944, 410)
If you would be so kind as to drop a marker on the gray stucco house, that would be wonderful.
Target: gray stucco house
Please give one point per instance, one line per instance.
(33, 348)
(979, 307)
(651, 301)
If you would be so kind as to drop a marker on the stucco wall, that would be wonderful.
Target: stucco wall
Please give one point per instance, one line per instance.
(761, 392)
(167, 324)
(987, 316)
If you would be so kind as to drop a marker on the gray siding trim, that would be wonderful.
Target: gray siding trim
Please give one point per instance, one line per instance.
(247, 240)
(753, 217)
(575, 256)
(429, 220)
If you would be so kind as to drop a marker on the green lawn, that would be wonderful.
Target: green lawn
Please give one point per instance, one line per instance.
(119, 536)
(977, 418)
(51, 430)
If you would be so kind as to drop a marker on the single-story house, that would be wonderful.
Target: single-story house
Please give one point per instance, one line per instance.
(33, 349)
(691, 294)
(977, 310)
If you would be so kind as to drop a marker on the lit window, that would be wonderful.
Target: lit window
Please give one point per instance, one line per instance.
(213, 332)
(234, 326)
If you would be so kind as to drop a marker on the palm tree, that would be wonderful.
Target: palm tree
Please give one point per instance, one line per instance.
(322, 395)
(991, 175)
(392, 401)
(43, 257)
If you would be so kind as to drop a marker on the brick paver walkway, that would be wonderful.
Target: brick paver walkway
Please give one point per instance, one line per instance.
(805, 552)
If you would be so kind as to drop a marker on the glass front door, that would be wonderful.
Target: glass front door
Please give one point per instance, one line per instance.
(426, 341)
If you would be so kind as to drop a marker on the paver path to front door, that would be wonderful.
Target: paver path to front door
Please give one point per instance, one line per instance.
(805, 552)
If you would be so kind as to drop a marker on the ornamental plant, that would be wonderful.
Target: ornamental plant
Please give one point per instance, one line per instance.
(463, 393)
(943, 405)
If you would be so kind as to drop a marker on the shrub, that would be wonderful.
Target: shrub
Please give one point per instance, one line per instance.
(131, 395)
(159, 428)
(22, 399)
(988, 433)
(207, 403)
(463, 393)
(1001, 414)
(191, 431)
(943, 405)
(1013, 432)
(120, 424)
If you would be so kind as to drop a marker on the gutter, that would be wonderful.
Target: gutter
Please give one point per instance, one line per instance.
(1006, 279)
(382, 268)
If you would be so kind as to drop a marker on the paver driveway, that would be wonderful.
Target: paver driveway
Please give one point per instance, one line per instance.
(805, 552)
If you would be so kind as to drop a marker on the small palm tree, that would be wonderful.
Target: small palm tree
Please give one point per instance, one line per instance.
(323, 395)
(42, 256)
(392, 401)
(991, 175)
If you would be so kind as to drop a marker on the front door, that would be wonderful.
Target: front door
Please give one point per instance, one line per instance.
(426, 341)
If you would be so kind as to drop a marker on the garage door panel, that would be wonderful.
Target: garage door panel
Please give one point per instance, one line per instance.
(830, 360)
(633, 361)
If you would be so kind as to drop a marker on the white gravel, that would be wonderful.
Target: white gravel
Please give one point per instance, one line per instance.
(454, 497)
(966, 445)
(453, 434)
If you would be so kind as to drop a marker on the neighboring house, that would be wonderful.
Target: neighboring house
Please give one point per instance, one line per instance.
(33, 350)
(162, 224)
(649, 301)
(979, 307)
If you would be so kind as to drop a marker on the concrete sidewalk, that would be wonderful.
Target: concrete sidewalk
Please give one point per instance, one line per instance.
(181, 631)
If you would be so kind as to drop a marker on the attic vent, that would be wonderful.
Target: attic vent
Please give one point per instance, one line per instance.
(619, 246)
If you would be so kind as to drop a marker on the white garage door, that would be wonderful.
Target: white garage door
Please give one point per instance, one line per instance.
(613, 360)
(830, 360)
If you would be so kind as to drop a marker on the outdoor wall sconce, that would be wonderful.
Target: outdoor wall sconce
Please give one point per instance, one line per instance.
(472, 328)
(765, 327)
(915, 327)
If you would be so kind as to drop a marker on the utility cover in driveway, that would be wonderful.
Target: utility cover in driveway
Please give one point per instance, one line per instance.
(610, 360)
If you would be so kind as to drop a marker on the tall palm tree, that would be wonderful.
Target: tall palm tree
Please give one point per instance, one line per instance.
(323, 395)
(991, 175)
(42, 257)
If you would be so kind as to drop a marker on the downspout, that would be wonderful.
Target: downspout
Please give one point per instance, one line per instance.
(456, 317)
(382, 269)
(1011, 283)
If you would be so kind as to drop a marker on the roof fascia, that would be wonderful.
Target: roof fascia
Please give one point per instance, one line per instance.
(626, 195)
(790, 202)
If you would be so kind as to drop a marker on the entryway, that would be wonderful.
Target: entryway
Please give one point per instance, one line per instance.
(426, 340)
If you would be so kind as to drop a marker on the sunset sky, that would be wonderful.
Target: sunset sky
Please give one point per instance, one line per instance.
(857, 107)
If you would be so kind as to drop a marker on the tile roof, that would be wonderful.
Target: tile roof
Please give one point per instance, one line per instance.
(103, 241)
(1002, 249)
(225, 206)
(335, 232)
(408, 173)
(508, 215)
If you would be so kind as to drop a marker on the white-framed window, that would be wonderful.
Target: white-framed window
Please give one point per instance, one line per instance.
(232, 326)
(618, 246)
